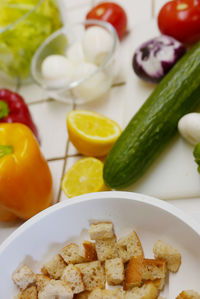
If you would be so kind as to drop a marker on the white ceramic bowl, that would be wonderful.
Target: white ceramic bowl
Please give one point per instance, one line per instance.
(45, 234)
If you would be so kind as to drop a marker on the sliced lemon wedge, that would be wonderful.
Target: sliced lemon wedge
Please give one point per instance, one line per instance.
(85, 176)
(91, 133)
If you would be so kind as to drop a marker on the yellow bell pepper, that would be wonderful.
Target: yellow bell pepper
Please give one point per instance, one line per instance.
(25, 178)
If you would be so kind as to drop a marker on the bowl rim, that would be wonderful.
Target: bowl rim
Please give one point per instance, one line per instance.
(64, 30)
(130, 196)
(16, 22)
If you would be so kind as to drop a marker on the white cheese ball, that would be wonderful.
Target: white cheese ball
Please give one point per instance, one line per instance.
(94, 87)
(189, 127)
(75, 53)
(84, 70)
(57, 68)
(97, 44)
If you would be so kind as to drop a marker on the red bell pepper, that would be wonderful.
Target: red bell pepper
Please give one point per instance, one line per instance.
(13, 109)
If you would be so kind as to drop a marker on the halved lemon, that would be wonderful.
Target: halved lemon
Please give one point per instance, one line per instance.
(91, 133)
(85, 176)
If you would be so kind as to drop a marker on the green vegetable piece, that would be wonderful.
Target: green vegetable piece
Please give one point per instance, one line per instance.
(154, 125)
(196, 154)
(4, 110)
(20, 40)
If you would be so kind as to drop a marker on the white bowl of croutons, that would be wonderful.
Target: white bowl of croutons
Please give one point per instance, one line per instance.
(103, 245)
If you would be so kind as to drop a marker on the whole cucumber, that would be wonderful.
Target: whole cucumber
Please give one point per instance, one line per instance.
(153, 126)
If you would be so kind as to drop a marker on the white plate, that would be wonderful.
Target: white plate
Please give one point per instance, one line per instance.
(45, 234)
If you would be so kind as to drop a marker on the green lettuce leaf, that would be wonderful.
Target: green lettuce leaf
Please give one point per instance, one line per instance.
(19, 43)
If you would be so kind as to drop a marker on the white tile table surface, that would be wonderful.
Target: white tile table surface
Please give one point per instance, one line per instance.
(50, 117)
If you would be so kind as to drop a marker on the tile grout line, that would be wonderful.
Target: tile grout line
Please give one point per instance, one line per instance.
(63, 158)
(153, 8)
(63, 171)
(18, 85)
(53, 100)
(65, 162)
(41, 101)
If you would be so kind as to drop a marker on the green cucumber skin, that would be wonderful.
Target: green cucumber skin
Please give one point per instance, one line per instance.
(153, 126)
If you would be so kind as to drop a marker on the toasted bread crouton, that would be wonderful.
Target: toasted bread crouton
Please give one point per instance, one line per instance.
(133, 277)
(129, 246)
(56, 289)
(106, 294)
(113, 294)
(71, 254)
(41, 281)
(55, 267)
(106, 249)
(23, 277)
(96, 294)
(153, 269)
(166, 252)
(147, 291)
(101, 231)
(29, 293)
(159, 283)
(114, 271)
(73, 277)
(93, 275)
(88, 251)
(188, 294)
(83, 295)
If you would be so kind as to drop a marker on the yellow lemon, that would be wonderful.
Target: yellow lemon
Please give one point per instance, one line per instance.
(91, 133)
(85, 176)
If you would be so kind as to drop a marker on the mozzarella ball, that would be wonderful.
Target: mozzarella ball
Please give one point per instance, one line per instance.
(75, 53)
(189, 127)
(84, 70)
(94, 87)
(57, 67)
(97, 44)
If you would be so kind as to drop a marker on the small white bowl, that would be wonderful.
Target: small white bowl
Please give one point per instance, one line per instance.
(46, 233)
(58, 43)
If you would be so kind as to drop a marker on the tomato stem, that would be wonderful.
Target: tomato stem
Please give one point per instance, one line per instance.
(100, 11)
(182, 6)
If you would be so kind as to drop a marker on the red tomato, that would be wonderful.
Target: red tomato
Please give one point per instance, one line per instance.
(112, 13)
(181, 19)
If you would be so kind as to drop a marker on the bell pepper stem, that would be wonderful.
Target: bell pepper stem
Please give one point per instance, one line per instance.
(4, 110)
(5, 150)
